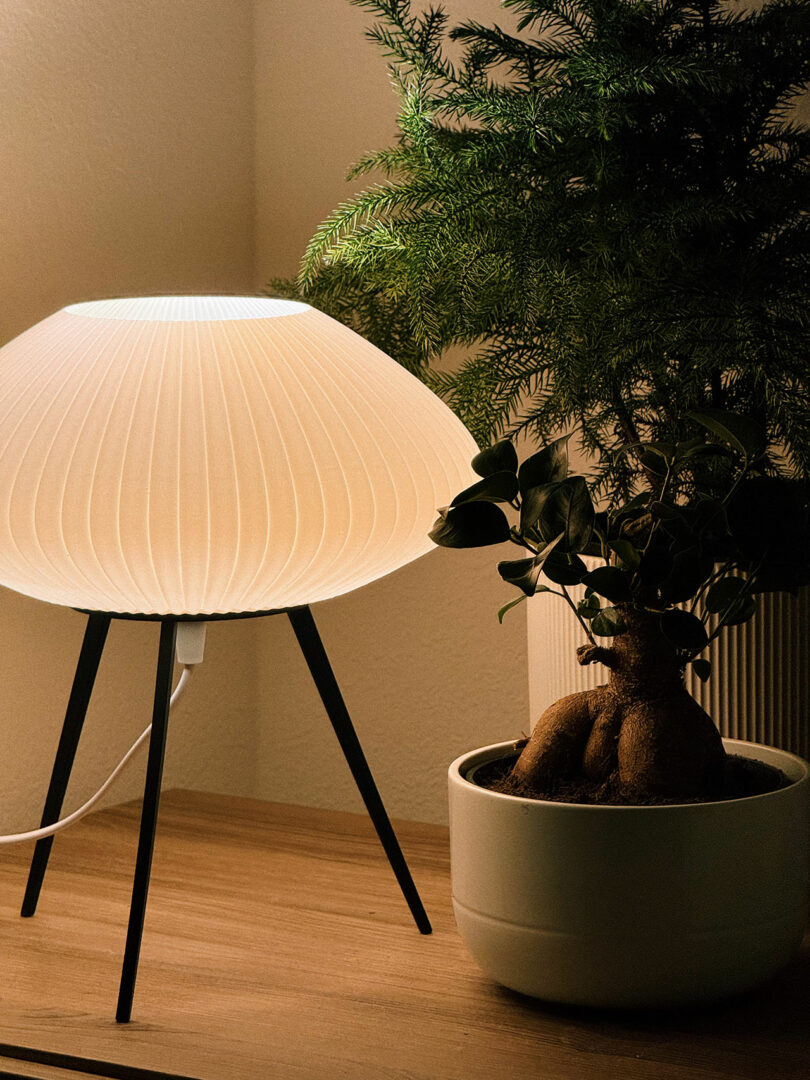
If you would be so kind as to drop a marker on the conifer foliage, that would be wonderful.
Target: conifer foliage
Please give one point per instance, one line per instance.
(608, 208)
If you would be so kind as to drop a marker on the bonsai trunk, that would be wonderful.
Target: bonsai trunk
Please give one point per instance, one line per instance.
(642, 734)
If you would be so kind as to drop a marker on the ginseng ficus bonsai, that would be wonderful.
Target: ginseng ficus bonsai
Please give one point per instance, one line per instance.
(608, 211)
(678, 562)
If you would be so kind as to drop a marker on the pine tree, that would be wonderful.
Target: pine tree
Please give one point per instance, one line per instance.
(607, 208)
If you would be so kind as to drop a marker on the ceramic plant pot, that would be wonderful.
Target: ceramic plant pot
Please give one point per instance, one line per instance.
(631, 906)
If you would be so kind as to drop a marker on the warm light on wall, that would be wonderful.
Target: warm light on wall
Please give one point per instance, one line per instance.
(197, 455)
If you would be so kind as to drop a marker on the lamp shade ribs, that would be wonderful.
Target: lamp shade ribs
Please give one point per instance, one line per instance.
(213, 455)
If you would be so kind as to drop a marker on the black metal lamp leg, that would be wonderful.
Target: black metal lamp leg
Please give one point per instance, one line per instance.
(95, 635)
(309, 639)
(149, 813)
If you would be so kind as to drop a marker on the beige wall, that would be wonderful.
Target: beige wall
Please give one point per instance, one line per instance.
(425, 667)
(128, 135)
(127, 142)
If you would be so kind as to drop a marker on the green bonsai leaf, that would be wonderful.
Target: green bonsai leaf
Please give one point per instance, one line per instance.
(684, 630)
(664, 450)
(473, 524)
(632, 509)
(610, 582)
(665, 511)
(569, 510)
(655, 565)
(496, 487)
(519, 600)
(653, 462)
(703, 449)
(607, 623)
(532, 503)
(677, 526)
(547, 466)
(743, 433)
(708, 515)
(702, 668)
(691, 569)
(739, 612)
(500, 457)
(635, 502)
(723, 593)
(628, 553)
(524, 572)
(589, 607)
(564, 569)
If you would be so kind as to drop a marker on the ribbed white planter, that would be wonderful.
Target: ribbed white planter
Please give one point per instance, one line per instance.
(631, 906)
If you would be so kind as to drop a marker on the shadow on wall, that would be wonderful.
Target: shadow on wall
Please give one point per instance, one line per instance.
(212, 735)
(426, 671)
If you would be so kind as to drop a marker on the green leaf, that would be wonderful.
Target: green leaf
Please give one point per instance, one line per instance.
(524, 572)
(589, 607)
(653, 462)
(474, 524)
(723, 593)
(743, 433)
(610, 582)
(564, 569)
(532, 503)
(627, 552)
(655, 564)
(607, 623)
(569, 510)
(678, 527)
(547, 466)
(686, 446)
(739, 612)
(500, 457)
(702, 668)
(691, 569)
(684, 630)
(665, 450)
(632, 510)
(637, 501)
(704, 450)
(520, 572)
(497, 487)
(707, 513)
(518, 600)
(665, 511)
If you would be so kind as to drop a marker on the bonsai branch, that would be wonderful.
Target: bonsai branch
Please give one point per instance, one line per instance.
(594, 654)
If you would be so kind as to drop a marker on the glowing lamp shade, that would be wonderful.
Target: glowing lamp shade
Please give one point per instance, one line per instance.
(204, 455)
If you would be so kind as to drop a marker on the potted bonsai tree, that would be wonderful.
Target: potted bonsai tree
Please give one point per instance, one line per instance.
(608, 210)
(622, 855)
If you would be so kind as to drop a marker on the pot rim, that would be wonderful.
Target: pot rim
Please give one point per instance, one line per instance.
(799, 774)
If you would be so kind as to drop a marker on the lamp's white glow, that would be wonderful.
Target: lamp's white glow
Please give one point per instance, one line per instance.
(202, 455)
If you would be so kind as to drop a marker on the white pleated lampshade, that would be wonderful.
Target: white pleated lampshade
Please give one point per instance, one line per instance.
(213, 455)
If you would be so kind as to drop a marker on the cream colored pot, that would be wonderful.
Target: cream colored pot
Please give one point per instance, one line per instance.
(631, 906)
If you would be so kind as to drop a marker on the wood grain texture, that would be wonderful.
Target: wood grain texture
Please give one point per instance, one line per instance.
(11, 1068)
(278, 947)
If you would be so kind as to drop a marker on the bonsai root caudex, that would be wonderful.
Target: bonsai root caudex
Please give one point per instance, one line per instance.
(642, 735)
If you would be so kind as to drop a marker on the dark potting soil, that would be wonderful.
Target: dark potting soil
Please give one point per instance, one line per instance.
(742, 777)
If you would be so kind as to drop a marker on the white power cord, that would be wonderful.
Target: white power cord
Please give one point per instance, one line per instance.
(49, 830)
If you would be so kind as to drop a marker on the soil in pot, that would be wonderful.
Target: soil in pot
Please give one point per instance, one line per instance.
(741, 777)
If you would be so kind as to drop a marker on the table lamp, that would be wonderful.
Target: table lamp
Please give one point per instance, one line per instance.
(184, 459)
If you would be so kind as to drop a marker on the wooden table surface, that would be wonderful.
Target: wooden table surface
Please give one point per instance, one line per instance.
(278, 947)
